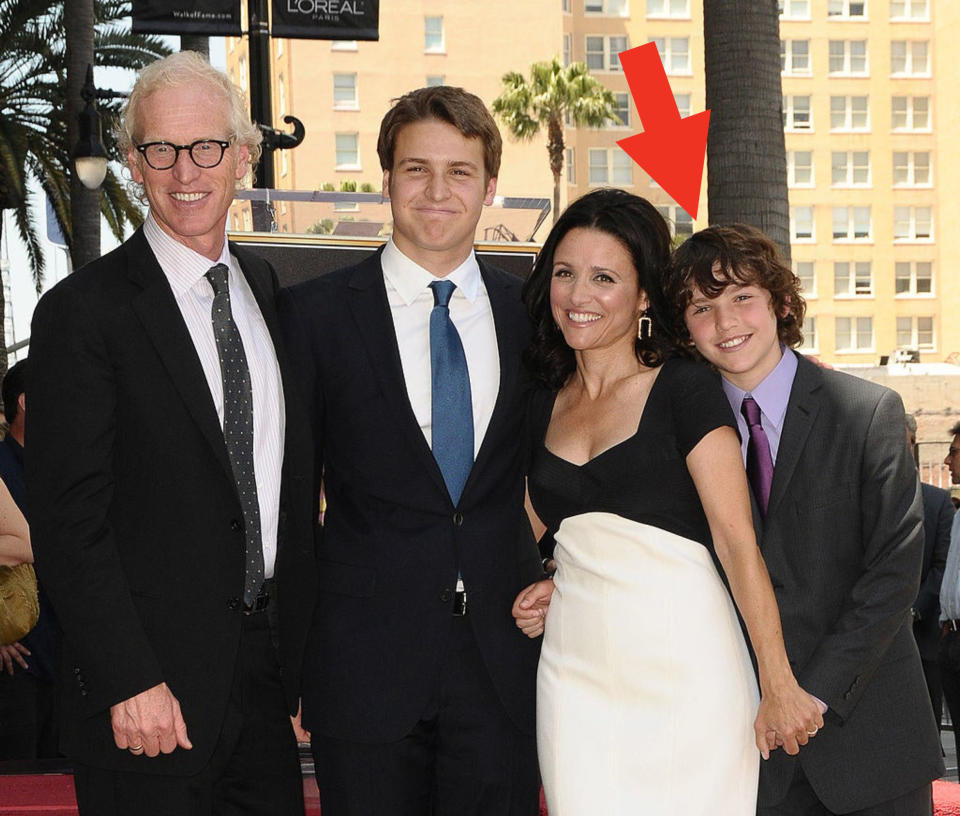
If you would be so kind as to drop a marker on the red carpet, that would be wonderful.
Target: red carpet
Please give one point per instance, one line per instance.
(52, 795)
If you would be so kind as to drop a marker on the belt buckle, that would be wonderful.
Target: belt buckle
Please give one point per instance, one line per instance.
(261, 602)
(459, 603)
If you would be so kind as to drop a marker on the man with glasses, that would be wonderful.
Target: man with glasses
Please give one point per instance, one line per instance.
(949, 657)
(173, 526)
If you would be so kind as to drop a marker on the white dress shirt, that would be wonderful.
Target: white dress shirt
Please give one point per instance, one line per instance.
(411, 301)
(185, 270)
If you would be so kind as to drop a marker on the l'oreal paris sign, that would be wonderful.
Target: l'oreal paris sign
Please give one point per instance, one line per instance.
(326, 19)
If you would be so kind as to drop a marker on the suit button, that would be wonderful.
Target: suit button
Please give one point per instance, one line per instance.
(76, 670)
(233, 604)
(446, 596)
(236, 525)
(458, 519)
(83, 692)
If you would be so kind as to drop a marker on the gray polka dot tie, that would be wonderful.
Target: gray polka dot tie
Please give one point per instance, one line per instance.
(238, 425)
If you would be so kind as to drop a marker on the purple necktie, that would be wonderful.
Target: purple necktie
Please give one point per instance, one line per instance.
(759, 460)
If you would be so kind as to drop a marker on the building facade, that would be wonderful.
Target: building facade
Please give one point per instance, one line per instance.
(868, 109)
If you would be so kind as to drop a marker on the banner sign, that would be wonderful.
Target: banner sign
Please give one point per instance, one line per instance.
(214, 18)
(326, 19)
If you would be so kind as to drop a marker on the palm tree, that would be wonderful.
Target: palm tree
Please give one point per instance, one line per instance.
(33, 101)
(545, 100)
(746, 159)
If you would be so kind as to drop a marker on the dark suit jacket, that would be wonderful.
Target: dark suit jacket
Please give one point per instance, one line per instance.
(937, 520)
(136, 523)
(843, 543)
(392, 539)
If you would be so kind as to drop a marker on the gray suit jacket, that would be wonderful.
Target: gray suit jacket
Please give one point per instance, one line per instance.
(843, 541)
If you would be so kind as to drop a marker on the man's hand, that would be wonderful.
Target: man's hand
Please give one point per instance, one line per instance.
(530, 607)
(13, 654)
(788, 718)
(149, 723)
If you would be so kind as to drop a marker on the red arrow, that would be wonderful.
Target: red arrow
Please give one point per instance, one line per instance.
(670, 149)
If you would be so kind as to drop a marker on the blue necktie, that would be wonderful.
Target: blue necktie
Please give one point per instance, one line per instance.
(451, 411)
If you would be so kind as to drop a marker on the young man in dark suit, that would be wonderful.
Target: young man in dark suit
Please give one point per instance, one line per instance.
(418, 688)
(840, 525)
(168, 484)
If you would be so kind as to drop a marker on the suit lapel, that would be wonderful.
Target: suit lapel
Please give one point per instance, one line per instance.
(371, 312)
(802, 409)
(160, 316)
(509, 345)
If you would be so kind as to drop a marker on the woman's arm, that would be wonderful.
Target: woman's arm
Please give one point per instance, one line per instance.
(788, 715)
(14, 533)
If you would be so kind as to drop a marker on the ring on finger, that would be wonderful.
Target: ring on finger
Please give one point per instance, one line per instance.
(813, 733)
(136, 749)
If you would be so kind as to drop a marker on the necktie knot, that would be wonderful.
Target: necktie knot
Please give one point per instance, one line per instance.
(217, 275)
(750, 411)
(442, 292)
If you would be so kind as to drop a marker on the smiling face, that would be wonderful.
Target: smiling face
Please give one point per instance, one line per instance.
(736, 332)
(189, 203)
(595, 297)
(437, 189)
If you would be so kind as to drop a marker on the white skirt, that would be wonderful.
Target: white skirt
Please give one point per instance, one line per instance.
(646, 696)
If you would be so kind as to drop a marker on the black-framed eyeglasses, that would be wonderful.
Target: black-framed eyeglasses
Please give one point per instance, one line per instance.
(205, 153)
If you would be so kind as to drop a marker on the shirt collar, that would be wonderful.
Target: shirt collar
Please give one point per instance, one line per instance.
(182, 266)
(410, 279)
(772, 393)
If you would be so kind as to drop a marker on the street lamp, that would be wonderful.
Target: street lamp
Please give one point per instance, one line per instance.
(90, 156)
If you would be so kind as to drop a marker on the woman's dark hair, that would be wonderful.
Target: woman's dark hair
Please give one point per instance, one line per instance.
(636, 224)
(741, 254)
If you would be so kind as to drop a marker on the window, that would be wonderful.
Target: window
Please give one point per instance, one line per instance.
(909, 58)
(848, 57)
(433, 35)
(849, 113)
(915, 332)
(668, 8)
(610, 166)
(570, 161)
(800, 168)
(434, 80)
(910, 113)
(348, 153)
(603, 53)
(565, 6)
(281, 99)
(343, 45)
(847, 8)
(913, 223)
(345, 91)
(801, 224)
(678, 219)
(614, 8)
(852, 279)
(851, 223)
(794, 9)
(683, 104)
(854, 333)
(567, 49)
(911, 169)
(808, 281)
(675, 53)
(913, 278)
(909, 9)
(622, 110)
(809, 342)
(795, 57)
(850, 168)
(796, 113)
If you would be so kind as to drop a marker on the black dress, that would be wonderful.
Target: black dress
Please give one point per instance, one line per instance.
(643, 662)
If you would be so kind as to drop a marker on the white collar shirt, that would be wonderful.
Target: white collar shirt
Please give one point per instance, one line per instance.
(185, 271)
(411, 301)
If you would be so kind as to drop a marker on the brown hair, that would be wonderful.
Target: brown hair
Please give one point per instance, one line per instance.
(455, 106)
(740, 254)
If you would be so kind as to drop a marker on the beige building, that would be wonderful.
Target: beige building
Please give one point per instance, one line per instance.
(869, 112)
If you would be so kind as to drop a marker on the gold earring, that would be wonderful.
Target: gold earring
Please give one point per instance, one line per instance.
(644, 328)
